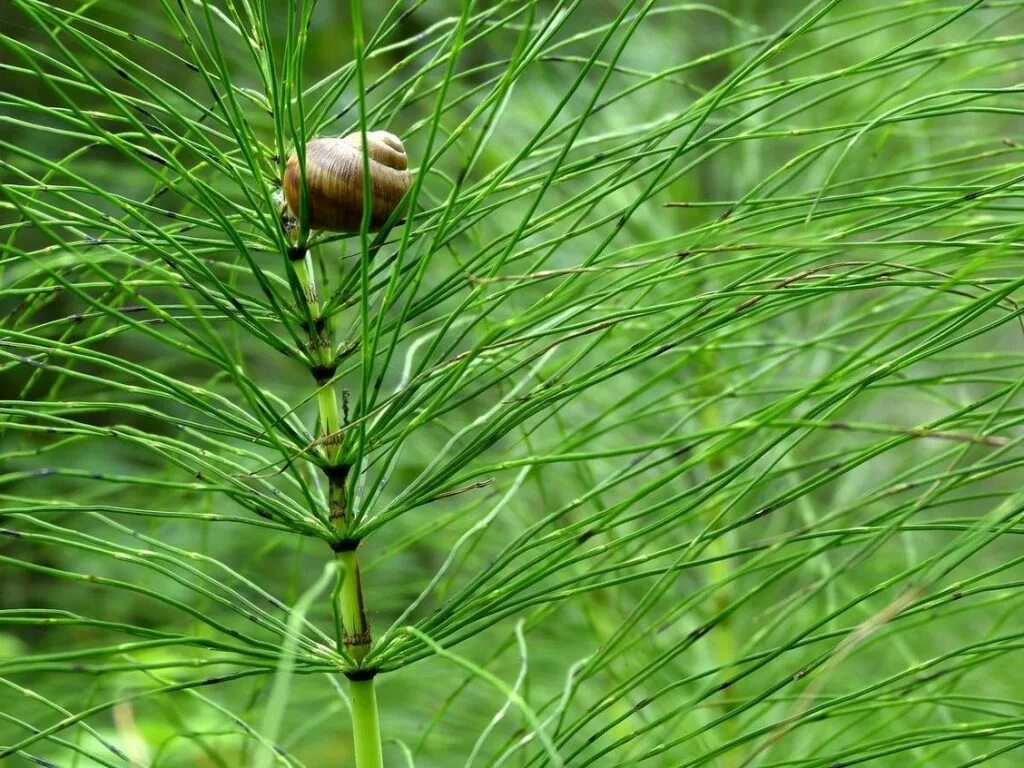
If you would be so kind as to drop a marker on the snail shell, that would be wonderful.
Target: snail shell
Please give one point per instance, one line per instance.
(334, 180)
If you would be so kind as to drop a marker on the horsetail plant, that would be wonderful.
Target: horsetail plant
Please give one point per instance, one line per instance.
(536, 383)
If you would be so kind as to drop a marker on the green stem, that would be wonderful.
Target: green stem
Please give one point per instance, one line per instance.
(303, 269)
(350, 610)
(330, 421)
(365, 725)
(721, 574)
(321, 351)
(352, 630)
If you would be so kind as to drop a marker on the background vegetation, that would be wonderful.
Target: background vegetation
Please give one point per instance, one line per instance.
(686, 401)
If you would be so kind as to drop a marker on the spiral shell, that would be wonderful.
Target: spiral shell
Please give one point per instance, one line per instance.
(334, 180)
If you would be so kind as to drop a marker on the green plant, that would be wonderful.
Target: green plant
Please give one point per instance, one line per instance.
(676, 410)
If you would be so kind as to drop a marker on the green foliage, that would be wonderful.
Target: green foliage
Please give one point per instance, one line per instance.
(679, 407)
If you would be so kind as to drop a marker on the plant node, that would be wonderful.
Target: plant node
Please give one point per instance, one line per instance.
(323, 373)
(347, 544)
(361, 675)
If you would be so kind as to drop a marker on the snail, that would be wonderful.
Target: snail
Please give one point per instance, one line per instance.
(334, 180)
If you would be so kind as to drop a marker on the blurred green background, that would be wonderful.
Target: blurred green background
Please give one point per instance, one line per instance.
(717, 379)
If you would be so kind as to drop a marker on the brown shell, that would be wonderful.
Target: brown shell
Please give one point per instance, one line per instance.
(334, 178)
